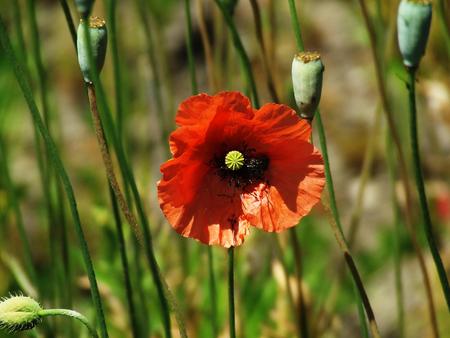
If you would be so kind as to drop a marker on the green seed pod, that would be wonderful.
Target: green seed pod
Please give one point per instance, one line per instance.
(307, 74)
(413, 26)
(84, 7)
(19, 313)
(99, 39)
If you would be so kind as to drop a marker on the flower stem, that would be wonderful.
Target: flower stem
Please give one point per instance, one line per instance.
(164, 294)
(71, 314)
(190, 50)
(112, 31)
(403, 171)
(60, 169)
(69, 20)
(302, 309)
(246, 65)
(212, 281)
(260, 37)
(212, 292)
(336, 224)
(107, 161)
(427, 224)
(231, 314)
(125, 266)
(397, 239)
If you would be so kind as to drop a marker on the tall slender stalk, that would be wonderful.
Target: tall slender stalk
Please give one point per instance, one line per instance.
(70, 314)
(403, 171)
(231, 313)
(302, 309)
(260, 37)
(246, 65)
(112, 31)
(397, 238)
(164, 294)
(125, 267)
(69, 20)
(212, 292)
(336, 224)
(443, 21)
(418, 175)
(60, 169)
(211, 75)
(190, 51)
(194, 87)
(117, 199)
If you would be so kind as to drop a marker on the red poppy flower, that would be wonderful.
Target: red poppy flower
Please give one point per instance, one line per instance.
(234, 167)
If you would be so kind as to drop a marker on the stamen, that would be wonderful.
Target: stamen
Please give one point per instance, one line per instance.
(234, 160)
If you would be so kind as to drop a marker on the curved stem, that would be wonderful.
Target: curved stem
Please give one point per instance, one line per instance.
(427, 224)
(61, 171)
(231, 310)
(403, 171)
(71, 314)
(241, 52)
(164, 294)
(107, 161)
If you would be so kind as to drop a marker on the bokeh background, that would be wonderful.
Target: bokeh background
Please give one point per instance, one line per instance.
(154, 80)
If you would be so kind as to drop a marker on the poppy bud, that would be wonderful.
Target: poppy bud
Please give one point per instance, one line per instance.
(413, 25)
(19, 313)
(307, 74)
(84, 7)
(98, 37)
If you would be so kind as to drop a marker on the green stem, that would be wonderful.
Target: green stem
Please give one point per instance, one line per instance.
(427, 224)
(70, 314)
(403, 170)
(164, 293)
(241, 52)
(336, 225)
(302, 309)
(112, 32)
(60, 169)
(145, 21)
(231, 310)
(212, 281)
(125, 266)
(260, 37)
(69, 20)
(212, 292)
(397, 240)
(296, 25)
(190, 50)
(443, 21)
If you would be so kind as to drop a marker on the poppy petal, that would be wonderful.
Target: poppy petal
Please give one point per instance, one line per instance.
(198, 204)
(295, 180)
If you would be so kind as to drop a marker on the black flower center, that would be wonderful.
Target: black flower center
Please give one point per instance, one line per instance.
(241, 168)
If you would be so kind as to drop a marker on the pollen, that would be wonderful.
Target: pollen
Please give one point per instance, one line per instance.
(234, 160)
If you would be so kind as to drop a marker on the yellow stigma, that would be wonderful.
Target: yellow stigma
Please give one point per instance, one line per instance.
(234, 160)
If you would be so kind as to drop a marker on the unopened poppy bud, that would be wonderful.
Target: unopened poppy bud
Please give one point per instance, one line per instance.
(84, 7)
(99, 39)
(307, 74)
(413, 25)
(19, 313)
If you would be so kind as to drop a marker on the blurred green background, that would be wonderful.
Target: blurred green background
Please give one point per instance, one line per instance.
(154, 79)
